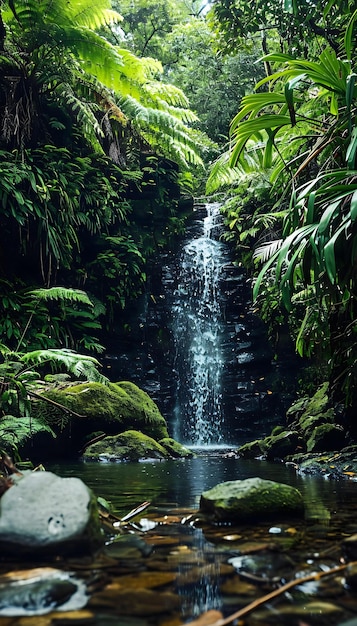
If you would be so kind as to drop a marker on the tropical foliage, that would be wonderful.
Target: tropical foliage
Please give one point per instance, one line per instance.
(92, 145)
(301, 124)
(299, 25)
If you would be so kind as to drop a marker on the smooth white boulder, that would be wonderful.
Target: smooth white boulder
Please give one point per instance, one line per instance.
(43, 511)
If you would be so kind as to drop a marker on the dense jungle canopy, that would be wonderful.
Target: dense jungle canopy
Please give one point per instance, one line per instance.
(114, 115)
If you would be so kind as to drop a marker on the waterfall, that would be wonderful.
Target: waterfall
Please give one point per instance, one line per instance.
(198, 325)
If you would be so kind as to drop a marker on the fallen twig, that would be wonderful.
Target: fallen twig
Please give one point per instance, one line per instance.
(277, 592)
(134, 512)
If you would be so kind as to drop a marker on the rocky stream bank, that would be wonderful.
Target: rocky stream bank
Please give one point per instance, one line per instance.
(157, 567)
(254, 549)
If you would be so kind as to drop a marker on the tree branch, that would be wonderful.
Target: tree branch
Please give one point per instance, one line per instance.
(278, 592)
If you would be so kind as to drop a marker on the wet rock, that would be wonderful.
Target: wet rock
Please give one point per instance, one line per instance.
(251, 499)
(279, 445)
(108, 409)
(135, 601)
(315, 613)
(176, 449)
(349, 546)
(45, 513)
(128, 446)
(336, 464)
(267, 566)
(252, 449)
(39, 591)
(128, 547)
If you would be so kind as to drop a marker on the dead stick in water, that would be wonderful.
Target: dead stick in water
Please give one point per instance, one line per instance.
(277, 592)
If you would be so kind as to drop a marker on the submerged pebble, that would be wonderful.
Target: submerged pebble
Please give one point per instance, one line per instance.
(40, 591)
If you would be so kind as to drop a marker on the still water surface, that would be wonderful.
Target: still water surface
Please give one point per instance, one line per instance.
(196, 559)
(179, 483)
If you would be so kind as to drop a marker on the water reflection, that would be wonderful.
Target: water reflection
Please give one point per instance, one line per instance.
(196, 560)
(198, 586)
(179, 483)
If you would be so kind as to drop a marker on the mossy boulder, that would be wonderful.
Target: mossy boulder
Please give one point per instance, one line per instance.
(326, 437)
(253, 499)
(79, 413)
(272, 447)
(317, 405)
(315, 420)
(312, 427)
(95, 407)
(128, 446)
(176, 449)
(252, 449)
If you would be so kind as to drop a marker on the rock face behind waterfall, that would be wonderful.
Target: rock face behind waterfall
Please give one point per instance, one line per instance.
(171, 334)
(253, 499)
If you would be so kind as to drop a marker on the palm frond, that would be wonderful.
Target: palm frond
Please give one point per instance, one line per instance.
(267, 250)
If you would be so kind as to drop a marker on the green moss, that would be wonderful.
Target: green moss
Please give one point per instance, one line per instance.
(175, 449)
(252, 449)
(280, 445)
(128, 446)
(325, 437)
(250, 499)
(277, 430)
(113, 408)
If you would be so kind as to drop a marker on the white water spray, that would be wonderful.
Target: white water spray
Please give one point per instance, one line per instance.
(198, 326)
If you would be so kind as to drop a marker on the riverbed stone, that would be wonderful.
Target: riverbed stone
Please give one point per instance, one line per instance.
(128, 446)
(40, 590)
(251, 499)
(44, 513)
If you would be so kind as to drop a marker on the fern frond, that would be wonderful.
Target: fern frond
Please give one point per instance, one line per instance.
(139, 70)
(15, 431)
(222, 174)
(78, 364)
(93, 16)
(60, 294)
(173, 95)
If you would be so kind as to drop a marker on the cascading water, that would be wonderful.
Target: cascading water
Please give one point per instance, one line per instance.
(198, 325)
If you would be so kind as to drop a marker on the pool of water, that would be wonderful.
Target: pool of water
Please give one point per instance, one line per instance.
(170, 567)
(179, 483)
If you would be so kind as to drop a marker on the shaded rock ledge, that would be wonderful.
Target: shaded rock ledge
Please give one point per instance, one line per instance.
(313, 440)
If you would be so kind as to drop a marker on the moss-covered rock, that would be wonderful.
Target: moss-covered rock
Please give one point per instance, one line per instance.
(251, 499)
(325, 437)
(278, 446)
(252, 449)
(272, 447)
(176, 449)
(308, 407)
(94, 407)
(312, 427)
(128, 446)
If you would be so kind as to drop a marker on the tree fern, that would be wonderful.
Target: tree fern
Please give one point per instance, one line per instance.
(16, 431)
(60, 294)
(80, 365)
